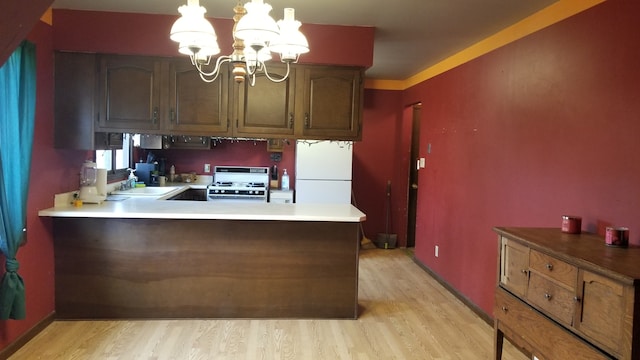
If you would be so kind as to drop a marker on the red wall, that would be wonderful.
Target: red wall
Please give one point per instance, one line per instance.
(146, 34)
(543, 127)
(376, 161)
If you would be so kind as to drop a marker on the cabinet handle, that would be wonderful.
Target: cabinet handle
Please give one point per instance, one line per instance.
(524, 271)
(290, 120)
(504, 308)
(155, 115)
(306, 120)
(576, 298)
(547, 296)
(549, 267)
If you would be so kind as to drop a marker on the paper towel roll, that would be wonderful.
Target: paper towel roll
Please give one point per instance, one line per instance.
(101, 182)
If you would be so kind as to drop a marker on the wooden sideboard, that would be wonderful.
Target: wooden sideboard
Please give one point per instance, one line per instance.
(566, 296)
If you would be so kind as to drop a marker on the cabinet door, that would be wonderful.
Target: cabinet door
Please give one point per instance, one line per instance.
(514, 266)
(606, 312)
(267, 108)
(196, 106)
(130, 93)
(332, 103)
(75, 114)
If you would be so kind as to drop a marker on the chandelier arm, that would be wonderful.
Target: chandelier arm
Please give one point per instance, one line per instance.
(206, 76)
(276, 80)
(251, 70)
(206, 79)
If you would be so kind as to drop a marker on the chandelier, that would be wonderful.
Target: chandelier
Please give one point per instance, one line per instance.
(256, 36)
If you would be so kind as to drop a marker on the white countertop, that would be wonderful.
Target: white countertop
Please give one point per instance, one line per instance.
(154, 207)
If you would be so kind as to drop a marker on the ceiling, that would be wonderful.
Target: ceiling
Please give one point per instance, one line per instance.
(410, 35)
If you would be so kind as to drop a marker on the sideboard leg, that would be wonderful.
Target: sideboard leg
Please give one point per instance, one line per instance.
(498, 340)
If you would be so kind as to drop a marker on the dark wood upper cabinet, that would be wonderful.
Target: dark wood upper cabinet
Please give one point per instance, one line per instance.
(76, 117)
(129, 93)
(267, 108)
(74, 111)
(155, 95)
(195, 106)
(331, 103)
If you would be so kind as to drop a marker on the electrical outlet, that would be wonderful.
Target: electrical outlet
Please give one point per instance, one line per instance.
(207, 168)
(437, 249)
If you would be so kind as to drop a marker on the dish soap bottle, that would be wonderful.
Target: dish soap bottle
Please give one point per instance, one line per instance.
(285, 180)
(172, 173)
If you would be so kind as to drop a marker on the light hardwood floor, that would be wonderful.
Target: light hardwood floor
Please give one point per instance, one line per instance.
(405, 314)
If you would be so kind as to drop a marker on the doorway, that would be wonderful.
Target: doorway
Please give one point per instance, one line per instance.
(413, 175)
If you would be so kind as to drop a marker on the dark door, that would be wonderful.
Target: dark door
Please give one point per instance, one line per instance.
(413, 176)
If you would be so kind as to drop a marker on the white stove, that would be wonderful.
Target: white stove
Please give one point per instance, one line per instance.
(239, 184)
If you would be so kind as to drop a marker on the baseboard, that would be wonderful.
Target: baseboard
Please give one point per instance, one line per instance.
(30, 334)
(470, 304)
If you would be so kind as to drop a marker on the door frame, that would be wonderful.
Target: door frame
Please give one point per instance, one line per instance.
(412, 188)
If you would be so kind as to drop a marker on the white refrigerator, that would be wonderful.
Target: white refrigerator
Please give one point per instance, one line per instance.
(323, 171)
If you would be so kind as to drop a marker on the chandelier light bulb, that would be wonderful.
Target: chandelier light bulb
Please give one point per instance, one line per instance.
(193, 31)
(291, 42)
(256, 27)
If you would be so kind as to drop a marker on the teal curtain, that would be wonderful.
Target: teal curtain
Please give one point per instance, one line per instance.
(17, 117)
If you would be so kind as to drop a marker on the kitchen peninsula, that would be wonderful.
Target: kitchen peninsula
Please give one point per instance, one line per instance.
(145, 257)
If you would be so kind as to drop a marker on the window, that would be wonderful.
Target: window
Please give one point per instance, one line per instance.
(117, 161)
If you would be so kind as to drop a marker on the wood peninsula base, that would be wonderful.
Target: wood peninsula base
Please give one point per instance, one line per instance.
(183, 268)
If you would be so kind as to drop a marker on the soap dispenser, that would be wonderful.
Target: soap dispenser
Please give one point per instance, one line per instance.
(285, 180)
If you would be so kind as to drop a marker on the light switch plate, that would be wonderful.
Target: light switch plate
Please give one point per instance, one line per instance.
(207, 168)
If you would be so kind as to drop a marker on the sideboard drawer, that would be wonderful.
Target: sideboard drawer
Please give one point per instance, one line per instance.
(549, 340)
(553, 268)
(552, 298)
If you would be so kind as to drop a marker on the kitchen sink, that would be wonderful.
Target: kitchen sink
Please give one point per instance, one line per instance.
(190, 195)
(147, 191)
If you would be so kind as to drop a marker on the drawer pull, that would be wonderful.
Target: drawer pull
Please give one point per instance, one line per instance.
(549, 267)
(547, 296)
(504, 308)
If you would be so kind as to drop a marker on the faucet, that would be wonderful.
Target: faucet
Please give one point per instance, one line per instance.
(130, 183)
